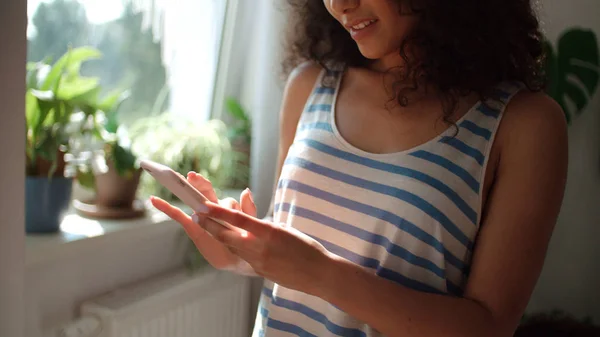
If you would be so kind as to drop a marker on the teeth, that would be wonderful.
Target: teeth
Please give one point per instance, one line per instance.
(363, 25)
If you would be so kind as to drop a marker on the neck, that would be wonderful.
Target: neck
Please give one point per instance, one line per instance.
(391, 67)
(387, 63)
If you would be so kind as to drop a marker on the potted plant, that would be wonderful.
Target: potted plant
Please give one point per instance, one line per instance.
(240, 135)
(184, 146)
(54, 93)
(104, 162)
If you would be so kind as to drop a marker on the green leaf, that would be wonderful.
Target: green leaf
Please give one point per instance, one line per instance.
(574, 70)
(235, 109)
(45, 105)
(86, 179)
(112, 124)
(112, 101)
(110, 105)
(71, 63)
(82, 90)
(123, 159)
(32, 114)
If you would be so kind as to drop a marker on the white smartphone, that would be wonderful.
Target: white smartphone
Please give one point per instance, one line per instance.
(178, 185)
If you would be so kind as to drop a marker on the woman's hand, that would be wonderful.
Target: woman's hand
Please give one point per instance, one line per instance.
(279, 253)
(217, 254)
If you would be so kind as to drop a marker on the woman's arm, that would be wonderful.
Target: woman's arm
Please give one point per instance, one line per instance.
(519, 218)
(297, 90)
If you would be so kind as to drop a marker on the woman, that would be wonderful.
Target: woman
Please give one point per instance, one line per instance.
(421, 172)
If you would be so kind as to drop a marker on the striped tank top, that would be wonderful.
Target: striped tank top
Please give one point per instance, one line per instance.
(411, 216)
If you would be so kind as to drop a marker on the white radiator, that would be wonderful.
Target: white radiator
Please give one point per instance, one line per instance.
(210, 304)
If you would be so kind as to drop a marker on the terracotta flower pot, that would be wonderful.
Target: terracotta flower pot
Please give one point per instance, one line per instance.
(115, 191)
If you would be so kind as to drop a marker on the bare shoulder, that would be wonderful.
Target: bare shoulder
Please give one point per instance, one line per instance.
(533, 128)
(303, 77)
(532, 116)
(298, 88)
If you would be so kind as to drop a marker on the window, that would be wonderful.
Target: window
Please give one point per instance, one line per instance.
(165, 52)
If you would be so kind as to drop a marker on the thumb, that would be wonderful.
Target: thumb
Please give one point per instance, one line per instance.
(247, 203)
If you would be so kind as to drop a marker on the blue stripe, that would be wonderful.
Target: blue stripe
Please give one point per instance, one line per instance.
(311, 313)
(476, 129)
(380, 270)
(464, 148)
(325, 90)
(362, 234)
(501, 94)
(264, 312)
(488, 110)
(425, 178)
(397, 193)
(287, 327)
(377, 213)
(319, 107)
(450, 166)
(318, 125)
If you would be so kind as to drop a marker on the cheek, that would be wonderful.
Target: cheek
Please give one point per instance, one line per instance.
(400, 27)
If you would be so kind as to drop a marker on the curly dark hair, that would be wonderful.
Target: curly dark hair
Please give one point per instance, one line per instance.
(465, 46)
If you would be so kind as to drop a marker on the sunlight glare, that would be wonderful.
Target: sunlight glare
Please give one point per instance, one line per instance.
(73, 224)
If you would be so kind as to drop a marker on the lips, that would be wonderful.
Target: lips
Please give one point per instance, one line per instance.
(361, 28)
(363, 25)
(358, 24)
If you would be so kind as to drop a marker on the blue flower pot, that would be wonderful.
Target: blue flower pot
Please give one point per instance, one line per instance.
(46, 202)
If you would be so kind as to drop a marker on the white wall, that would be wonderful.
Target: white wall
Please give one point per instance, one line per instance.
(262, 93)
(571, 277)
(12, 169)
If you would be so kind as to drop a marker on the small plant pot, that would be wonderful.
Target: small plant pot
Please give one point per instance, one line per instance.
(115, 191)
(47, 201)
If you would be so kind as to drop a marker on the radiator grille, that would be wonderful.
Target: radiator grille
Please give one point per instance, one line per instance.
(213, 304)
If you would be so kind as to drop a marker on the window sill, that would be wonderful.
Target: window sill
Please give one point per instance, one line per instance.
(79, 234)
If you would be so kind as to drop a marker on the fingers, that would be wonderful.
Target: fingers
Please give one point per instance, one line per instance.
(239, 219)
(230, 203)
(191, 228)
(247, 203)
(228, 237)
(203, 186)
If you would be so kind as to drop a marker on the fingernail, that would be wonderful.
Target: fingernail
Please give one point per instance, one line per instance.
(202, 209)
(196, 219)
(250, 194)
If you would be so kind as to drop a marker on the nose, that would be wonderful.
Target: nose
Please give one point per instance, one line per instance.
(343, 6)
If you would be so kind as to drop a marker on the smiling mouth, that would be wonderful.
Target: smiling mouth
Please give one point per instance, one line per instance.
(363, 24)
